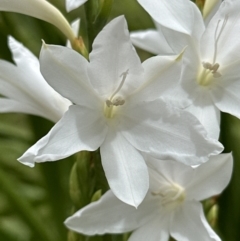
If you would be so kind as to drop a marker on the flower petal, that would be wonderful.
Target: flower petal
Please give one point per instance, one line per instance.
(66, 71)
(167, 132)
(125, 169)
(225, 93)
(206, 112)
(161, 76)
(112, 55)
(73, 4)
(152, 41)
(179, 15)
(154, 230)
(210, 178)
(39, 9)
(161, 171)
(189, 224)
(8, 106)
(110, 215)
(79, 129)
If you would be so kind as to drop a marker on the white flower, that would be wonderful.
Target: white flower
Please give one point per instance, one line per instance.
(73, 4)
(116, 109)
(40, 9)
(211, 77)
(171, 207)
(24, 88)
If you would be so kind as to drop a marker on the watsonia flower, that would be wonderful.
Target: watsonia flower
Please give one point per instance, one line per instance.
(117, 108)
(171, 207)
(211, 76)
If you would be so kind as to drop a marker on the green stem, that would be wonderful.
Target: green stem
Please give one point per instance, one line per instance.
(97, 14)
(21, 204)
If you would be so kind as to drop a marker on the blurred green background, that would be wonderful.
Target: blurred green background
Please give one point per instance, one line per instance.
(34, 202)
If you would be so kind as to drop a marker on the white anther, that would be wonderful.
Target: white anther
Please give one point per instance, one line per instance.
(118, 101)
(207, 65)
(217, 75)
(215, 68)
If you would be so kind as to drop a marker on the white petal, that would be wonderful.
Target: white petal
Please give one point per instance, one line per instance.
(167, 132)
(22, 56)
(73, 4)
(125, 169)
(79, 129)
(8, 106)
(227, 48)
(178, 15)
(160, 171)
(152, 41)
(154, 230)
(210, 178)
(110, 215)
(112, 55)
(66, 71)
(184, 41)
(206, 112)
(39, 9)
(225, 92)
(161, 76)
(189, 224)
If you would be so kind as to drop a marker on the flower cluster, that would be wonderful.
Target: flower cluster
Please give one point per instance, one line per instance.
(155, 123)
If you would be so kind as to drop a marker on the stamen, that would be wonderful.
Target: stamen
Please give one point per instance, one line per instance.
(215, 68)
(124, 75)
(217, 37)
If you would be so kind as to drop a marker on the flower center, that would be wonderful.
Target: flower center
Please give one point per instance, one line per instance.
(209, 71)
(114, 101)
(172, 195)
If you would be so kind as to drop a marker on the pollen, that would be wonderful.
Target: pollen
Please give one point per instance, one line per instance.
(115, 101)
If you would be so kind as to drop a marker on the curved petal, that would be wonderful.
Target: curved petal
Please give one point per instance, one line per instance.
(167, 133)
(8, 106)
(66, 71)
(110, 215)
(73, 4)
(39, 9)
(125, 169)
(113, 55)
(225, 92)
(162, 171)
(210, 178)
(161, 76)
(189, 224)
(206, 112)
(79, 129)
(22, 56)
(152, 41)
(154, 230)
(221, 36)
(179, 15)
